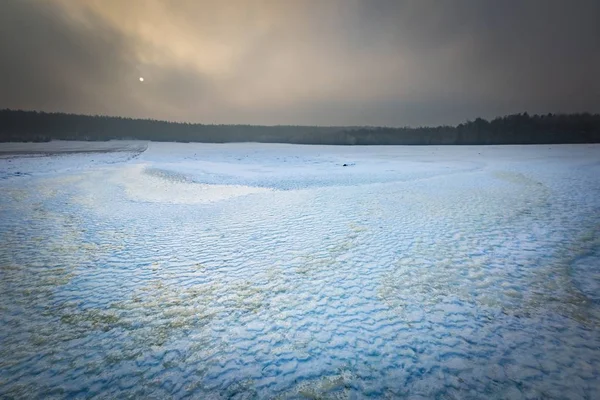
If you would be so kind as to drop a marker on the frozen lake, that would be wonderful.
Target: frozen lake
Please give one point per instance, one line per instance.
(217, 271)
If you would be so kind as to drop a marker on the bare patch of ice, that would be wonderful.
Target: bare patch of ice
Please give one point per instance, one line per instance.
(144, 185)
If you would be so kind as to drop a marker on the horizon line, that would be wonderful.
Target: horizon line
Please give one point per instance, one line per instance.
(292, 125)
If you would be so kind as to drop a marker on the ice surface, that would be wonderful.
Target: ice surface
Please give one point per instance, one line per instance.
(249, 270)
(66, 146)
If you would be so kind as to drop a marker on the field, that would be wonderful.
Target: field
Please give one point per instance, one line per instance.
(172, 270)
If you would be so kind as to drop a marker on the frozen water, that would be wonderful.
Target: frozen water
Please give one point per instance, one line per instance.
(168, 270)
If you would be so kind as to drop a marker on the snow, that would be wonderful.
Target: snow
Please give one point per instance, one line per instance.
(239, 270)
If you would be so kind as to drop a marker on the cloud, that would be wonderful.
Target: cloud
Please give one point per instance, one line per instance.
(55, 63)
(336, 62)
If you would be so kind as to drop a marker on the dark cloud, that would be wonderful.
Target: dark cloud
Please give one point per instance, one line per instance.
(338, 62)
(51, 62)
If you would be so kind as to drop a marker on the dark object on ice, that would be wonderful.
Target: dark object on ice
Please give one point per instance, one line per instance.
(345, 165)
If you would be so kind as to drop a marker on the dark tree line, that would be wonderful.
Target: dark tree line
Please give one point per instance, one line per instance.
(33, 126)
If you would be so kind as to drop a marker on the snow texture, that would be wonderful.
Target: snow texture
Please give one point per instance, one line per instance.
(164, 270)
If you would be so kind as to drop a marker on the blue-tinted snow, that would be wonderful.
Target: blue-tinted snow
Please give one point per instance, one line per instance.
(272, 271)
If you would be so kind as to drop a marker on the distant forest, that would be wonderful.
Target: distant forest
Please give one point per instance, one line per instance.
(33, 126)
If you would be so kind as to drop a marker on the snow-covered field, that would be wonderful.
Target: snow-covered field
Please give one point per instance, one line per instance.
(167, 270)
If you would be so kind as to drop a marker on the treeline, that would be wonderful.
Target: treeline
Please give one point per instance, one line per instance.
(33, 126)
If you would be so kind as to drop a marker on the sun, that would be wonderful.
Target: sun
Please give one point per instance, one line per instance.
(141, 79)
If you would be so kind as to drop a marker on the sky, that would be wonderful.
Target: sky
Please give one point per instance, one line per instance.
(301, 62)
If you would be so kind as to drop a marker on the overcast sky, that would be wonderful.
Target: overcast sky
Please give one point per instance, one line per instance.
(325, 62)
